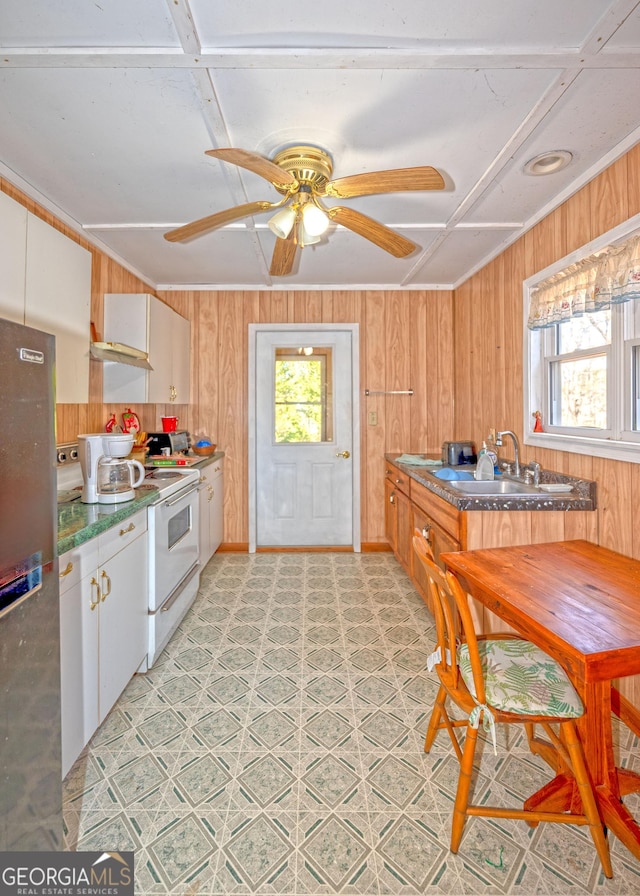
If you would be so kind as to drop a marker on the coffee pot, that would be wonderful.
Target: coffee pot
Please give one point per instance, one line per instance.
(116, 479)
(108, 474)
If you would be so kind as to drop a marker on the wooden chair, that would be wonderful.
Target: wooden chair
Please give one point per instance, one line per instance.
(502, 679)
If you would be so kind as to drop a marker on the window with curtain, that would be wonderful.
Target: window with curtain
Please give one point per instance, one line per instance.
(583, 341)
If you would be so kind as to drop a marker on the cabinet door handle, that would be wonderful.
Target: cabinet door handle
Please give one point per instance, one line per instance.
(392, 498)
(66, 570)
(398, 481)
(426, 533)
(211, 493)
(105, 594)
(94, 603)
(173, 393)
(129, 528)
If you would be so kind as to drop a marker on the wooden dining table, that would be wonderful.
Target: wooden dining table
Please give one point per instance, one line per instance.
(580, 603)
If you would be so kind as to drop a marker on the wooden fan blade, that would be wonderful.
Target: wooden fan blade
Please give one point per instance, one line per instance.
(372, 230)
(202, 225)
(284, 255)
(397, 180)
(256, 163)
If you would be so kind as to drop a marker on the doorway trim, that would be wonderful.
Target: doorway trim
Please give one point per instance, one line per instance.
(321, 330)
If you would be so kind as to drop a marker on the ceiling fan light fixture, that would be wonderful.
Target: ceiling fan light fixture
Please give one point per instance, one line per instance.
(282, 222)
(304, 237)
(315, 220)
(548, 162)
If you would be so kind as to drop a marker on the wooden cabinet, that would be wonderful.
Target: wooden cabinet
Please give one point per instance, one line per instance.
(211, 510)
(103, 627)
(46, 284)
(397, 511)
(146, 323)
(450, 529)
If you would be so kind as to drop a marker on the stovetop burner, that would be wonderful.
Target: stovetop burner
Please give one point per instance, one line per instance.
(169, 481)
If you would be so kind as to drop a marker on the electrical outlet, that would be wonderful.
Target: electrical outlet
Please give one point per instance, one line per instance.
(373, 418)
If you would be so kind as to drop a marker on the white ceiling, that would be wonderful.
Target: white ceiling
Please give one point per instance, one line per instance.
(107, 108)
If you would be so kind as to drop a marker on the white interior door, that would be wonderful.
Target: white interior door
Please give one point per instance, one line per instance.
(303, 449)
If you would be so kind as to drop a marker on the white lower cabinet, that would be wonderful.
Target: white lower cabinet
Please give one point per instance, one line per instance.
(211, 512)
(103, 627)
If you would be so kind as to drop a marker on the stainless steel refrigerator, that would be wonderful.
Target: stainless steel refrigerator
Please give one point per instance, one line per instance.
(30, 763)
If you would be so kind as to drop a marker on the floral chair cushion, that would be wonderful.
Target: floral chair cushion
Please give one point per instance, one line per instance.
(521, 678)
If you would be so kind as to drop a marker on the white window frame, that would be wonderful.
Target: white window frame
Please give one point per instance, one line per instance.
(617, 443)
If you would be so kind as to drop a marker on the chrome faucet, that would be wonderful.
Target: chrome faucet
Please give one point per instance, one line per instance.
(516, 449)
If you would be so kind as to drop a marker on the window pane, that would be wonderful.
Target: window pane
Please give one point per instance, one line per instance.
(579, 392)
(631, 320)
(302, 395)
(635, 388)
(589, 331)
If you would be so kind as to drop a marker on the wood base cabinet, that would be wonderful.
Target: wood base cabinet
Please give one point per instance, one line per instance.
(410, 505)
(103, 627)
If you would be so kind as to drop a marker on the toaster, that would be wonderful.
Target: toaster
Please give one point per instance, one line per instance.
(454, 454)
(177, 442)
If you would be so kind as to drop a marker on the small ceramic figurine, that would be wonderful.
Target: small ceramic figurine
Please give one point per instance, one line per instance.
(537, 427)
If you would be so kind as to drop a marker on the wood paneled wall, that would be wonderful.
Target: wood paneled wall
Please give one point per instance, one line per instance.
(408, 340)
(489, 359)
(405, 343)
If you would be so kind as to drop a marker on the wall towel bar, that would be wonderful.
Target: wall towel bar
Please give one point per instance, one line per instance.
(392, 392)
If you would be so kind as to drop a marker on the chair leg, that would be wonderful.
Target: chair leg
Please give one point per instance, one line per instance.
(464, 786)
(434, 721)
(589, 805)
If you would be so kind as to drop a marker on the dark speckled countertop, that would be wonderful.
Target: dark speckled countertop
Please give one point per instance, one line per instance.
(78, 522)
(582, 496)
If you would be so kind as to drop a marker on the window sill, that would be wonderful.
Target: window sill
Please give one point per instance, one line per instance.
(612, 450)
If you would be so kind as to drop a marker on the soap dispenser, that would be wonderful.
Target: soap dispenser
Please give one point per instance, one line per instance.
(485, 465)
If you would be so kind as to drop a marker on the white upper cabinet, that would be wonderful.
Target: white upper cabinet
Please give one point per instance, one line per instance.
(13, 237)
(58, 301)
(45, 282)
(144, 322)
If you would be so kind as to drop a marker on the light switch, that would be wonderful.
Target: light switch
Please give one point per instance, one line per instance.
(373, 418)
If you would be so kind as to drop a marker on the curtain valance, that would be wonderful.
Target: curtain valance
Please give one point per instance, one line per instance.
(597, 282)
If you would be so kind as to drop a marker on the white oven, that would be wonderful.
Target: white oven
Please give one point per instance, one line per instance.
(174, 566)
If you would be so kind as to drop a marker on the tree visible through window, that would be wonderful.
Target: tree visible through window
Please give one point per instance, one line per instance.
(301, 395)
(579, 371)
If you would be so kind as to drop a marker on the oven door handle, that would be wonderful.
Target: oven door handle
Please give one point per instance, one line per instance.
(182, 495)
(177, 591)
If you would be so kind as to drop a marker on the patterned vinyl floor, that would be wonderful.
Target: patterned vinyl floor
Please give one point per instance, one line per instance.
(277, 748)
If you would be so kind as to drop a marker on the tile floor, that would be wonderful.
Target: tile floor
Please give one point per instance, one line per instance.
(276, 748)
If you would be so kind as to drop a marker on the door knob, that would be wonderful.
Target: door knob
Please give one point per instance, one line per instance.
(344, 454)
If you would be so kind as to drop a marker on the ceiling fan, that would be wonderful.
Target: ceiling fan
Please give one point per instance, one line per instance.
(302, 175)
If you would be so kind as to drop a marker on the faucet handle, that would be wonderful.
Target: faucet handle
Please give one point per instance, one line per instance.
(535, 469)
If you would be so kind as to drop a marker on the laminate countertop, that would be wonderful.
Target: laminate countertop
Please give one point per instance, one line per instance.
(581, 497)
(78, 522)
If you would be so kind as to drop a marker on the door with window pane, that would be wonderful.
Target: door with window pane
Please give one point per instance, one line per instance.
(303, 438)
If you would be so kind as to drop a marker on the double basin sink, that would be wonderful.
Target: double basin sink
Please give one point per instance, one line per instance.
(502, 486)
(490, 487)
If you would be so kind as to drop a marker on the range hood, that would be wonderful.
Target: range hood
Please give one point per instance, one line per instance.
(120, 353)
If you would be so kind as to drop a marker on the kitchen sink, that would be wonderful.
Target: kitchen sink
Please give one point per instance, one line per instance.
(492, 487)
